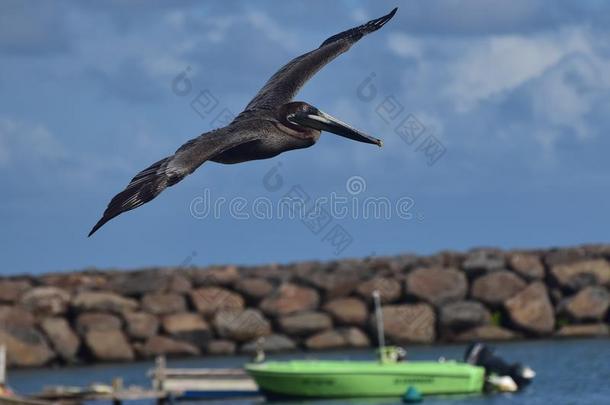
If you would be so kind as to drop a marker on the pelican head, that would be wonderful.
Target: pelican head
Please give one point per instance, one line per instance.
(303, 117)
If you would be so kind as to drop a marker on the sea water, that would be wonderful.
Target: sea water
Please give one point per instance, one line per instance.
(568, 372)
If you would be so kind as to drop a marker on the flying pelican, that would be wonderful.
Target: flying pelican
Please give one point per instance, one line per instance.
(270, 124)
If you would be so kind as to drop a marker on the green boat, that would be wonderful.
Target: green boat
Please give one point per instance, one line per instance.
(344, 379)
(386, 377)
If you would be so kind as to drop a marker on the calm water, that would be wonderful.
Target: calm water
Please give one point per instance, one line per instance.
(568, 372)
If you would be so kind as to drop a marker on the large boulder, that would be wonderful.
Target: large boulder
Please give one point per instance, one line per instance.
(576, 275)
(495, 288)
(46, 300)
(215, 276)
(333, 284)
(100, 321)
(305, 323)
(25, 345)
(179, 284)
(347, 311)
(135, 284)
(241, 326)
(108, 345)
(337, 338)
(187, 326)
(163, 303)
(290, 298)
(163, 345)
(408, 323)
(531, 309)
(103, 302)
(389, 289)
(11, 290)
(62, 338)
(89, 280)
(436, 285)
(589, 304)
(140, 325)
(221, 347)
(527, 265)
(12, 316)
(209, 300)
(461, 315)
(584, 330)
(270, 344)
(484, 333)
(482, 261)
(254, 288)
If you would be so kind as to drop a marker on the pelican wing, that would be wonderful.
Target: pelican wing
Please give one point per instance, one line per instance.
(150, 182)
(287, 81)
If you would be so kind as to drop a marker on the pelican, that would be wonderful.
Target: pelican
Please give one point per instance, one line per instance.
(270, 124)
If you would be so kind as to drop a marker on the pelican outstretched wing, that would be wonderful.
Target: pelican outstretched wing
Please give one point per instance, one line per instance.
(287, 81)
(150, 182)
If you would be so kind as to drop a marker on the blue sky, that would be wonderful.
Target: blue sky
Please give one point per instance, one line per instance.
(516, 93)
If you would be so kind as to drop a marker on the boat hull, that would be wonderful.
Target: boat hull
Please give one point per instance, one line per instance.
(336, 379)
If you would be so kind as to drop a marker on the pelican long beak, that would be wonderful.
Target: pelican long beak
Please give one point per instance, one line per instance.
(324, 122)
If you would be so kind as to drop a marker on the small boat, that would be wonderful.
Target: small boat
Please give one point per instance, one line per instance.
(389, 376)
(336, 379)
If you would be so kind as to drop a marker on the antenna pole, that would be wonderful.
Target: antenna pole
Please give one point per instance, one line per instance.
(379, 319)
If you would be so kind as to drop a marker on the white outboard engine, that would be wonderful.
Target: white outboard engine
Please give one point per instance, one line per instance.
(499, 374)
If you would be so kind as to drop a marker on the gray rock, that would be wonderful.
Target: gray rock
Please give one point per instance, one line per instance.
(209, 300)
(140, 325)
(589, 304)
(100, 321)
(347, 311)
(495, 288)
(483, 260)
(135, 284)
(189, 327)
(408, 323)
(584, 330)
(11, 290)
(215, 276)
(330, 339)
(221, 347)
(103, 302)
(25, 346)
(46, 300)
(531, 309)
(163, 345)
(254, 288)
(389, 289)
(437, 286)
(270, 344)
(62, 338)
(461, 315)
(108, 345)
(485, 333)
(527, 265)
(576, 275)
(163, 303)
(241, 326)
(305, 323)
(290, 298)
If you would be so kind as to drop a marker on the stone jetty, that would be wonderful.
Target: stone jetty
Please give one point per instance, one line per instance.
(486, 294)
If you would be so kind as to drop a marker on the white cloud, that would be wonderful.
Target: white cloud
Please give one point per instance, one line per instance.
(23, 143)
(404, 45)
(497, 64)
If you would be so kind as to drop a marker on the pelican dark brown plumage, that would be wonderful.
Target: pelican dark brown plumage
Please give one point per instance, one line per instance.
(270, 124)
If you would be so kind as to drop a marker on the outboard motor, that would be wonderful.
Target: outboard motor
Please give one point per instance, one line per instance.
(497, 369)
